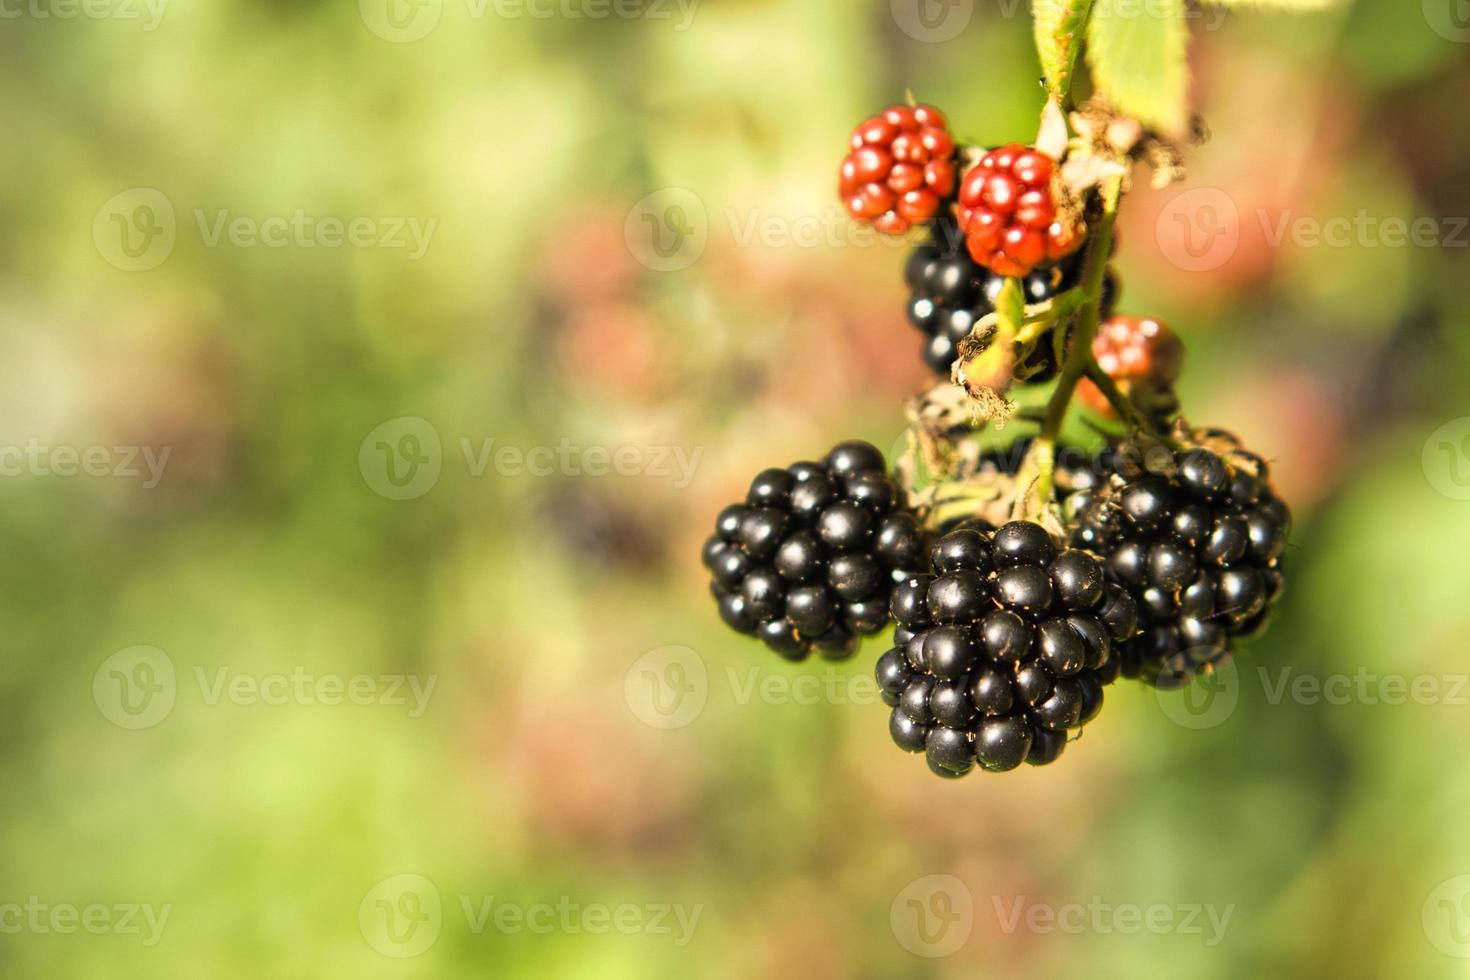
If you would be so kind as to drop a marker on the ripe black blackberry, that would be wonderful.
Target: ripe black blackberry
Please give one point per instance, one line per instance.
(1199, 549)
(950, 292)
(812, 555)
(1002, 647)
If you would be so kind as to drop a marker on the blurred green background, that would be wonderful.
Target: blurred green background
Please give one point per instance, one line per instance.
(401, 663)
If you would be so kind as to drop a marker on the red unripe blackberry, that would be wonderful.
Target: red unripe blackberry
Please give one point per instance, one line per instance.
(1009, 214)
(1134, 352)
(812, 555)
(900, 170)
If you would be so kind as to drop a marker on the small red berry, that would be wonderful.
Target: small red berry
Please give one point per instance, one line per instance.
(901, 169)
(1133, 351)
(1008, 214)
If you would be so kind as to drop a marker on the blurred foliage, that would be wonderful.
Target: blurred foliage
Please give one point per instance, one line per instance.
(534, 318)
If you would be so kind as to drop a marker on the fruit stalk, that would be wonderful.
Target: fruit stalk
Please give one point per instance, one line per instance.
(1121, 403)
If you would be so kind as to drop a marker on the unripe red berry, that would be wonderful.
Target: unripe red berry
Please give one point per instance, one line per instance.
(1133, 351)
(1009, 215)
(901, 168)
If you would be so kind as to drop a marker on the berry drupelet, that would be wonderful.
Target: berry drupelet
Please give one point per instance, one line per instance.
(1199, 549)
(901, 169)
(811, 556)
(1002, 647)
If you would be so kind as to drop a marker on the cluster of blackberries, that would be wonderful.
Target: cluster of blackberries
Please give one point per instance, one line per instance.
(811, 557)
(1001, 648)
(1198, 547)
(949, 292)
(1004, 638)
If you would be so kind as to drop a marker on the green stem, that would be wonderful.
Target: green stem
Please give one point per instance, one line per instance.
(1079, 356)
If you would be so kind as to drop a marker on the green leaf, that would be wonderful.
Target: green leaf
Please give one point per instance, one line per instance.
(1302, 5)
(1138, 51)
(1059, 25)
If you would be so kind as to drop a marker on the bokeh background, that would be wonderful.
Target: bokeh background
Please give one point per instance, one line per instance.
(407, 628)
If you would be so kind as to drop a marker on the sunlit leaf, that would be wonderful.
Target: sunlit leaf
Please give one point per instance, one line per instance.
(1138, 54)
(1059, 27)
